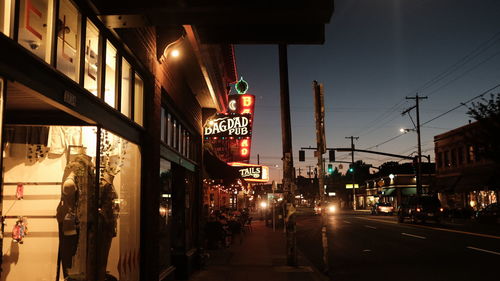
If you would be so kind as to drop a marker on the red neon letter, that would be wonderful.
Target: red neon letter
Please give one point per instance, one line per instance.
(247, 101)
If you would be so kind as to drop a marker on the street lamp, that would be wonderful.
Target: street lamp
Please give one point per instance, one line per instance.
(403, 130)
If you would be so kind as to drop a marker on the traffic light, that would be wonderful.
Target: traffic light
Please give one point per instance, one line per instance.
(330, 168)
(331, 155)
(302, 155)
(351, 169)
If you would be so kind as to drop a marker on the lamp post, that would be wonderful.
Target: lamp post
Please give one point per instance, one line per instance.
(419, 157)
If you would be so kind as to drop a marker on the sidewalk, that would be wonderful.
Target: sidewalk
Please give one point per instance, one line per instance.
(260, 257)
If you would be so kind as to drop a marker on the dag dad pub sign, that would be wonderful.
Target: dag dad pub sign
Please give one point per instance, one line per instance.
(229, 125)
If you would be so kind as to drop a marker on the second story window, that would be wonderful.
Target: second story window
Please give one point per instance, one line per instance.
(91, 58)
(126, 89)
(68, 40)
(110, 76)
(470, 154)
(35, 28)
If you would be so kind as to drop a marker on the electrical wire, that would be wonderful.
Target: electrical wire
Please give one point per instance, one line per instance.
(481, 48)
(461, 104)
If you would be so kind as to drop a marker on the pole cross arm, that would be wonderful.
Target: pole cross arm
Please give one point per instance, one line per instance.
(348, 149)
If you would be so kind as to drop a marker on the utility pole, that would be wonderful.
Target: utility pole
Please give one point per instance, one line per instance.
(288, 170)
(309, 173)
(319, 109)
(353, 171)
(417, 98)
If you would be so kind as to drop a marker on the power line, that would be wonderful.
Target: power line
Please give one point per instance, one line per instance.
(464, 73)
(481, 48)
(384, 142)
(462, 104)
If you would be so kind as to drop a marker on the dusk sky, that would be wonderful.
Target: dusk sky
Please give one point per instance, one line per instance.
(376, 53)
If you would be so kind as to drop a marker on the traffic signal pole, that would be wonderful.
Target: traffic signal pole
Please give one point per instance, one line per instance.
(319, 110)
(353, 171)
(288, 170)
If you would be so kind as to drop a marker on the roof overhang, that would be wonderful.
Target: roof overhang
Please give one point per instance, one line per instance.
(224, 21)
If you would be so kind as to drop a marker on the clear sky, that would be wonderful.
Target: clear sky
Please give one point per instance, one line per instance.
(376, 53)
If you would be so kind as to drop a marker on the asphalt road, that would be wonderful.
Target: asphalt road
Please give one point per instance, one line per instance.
(366, 247)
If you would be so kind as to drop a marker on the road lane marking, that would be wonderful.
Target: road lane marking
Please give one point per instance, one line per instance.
(437, 228)
(372, 227)
(483, 250)
(412, 235)
(347, 222)
(386, 221)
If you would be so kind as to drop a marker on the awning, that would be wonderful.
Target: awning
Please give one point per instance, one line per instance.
(408, 191)
(218, 169)
(388, 192)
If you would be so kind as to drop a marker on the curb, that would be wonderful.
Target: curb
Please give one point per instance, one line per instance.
(318, 275)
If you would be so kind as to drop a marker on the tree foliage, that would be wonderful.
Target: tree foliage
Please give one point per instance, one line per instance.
(487, 136)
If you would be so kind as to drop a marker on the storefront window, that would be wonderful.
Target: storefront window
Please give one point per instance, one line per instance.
(48, 186)
(118, 231)
(110, 81)
(91, 58)
(5, 10)
(68, 39)
(35, 27)
(126, 89)
(165, 213)
(138, 99)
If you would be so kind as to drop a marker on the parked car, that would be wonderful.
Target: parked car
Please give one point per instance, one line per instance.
(489, 214)
(420, 208)
(382, 208)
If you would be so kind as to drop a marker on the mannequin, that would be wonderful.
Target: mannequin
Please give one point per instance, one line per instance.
(108, 215)
(71, 214)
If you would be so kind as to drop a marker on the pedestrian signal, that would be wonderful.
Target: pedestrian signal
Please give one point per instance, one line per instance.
(331, 155)
(302, 155)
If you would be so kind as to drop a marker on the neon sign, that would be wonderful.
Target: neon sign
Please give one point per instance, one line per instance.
(229, 125)
(252, 172)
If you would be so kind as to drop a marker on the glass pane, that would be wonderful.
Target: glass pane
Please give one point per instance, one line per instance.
(68, 39)
(138, 100)
(91, 58)
(118, 229)
(174, 134)
(165, 213)
(170, 130)
(110, 81)
(5, 10)
(126, 80)
(48, 186)
(163, 125)
(35, 28)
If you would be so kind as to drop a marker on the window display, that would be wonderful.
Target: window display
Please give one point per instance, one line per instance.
(51, 198)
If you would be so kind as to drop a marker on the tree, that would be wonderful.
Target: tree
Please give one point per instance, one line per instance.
(487, 135)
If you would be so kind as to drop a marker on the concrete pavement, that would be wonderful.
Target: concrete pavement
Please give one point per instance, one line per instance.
(260, 257)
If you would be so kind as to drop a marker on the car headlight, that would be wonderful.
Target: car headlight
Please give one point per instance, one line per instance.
(332, 209)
